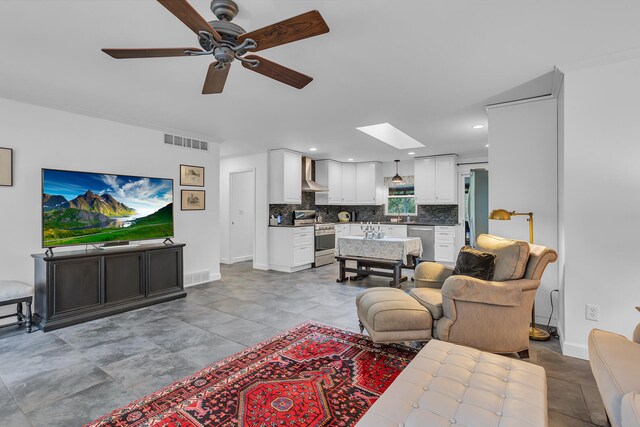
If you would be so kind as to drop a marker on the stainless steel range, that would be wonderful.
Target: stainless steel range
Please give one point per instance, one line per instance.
(325, 243)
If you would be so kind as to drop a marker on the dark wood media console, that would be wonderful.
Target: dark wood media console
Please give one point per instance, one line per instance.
(77, 286)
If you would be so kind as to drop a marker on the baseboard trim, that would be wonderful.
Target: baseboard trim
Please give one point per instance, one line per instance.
(264, 267)
(572, 349)
(243, 258)
(288, 269)
(225, 261)
(215, 276)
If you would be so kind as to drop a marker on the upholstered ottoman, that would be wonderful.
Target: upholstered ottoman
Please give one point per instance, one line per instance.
(390, 315)
(451, 385)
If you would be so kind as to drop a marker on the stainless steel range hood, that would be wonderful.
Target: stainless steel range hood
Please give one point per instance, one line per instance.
(308, 184)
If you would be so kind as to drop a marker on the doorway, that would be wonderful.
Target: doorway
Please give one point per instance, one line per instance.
(242, 187)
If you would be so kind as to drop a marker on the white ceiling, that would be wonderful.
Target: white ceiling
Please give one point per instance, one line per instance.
(426, 66)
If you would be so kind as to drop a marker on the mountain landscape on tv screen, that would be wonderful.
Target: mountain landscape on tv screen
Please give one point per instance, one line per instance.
(92, 217)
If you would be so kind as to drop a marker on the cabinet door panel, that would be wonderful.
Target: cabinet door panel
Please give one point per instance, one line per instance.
(76, 284)
(348, 183)
(366, 183)
(446, 178)
(123, 277)
(165, 270)
(292, 177)
(425, 181)
(335, 183)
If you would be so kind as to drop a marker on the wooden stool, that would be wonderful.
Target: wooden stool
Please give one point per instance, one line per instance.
(14, 292)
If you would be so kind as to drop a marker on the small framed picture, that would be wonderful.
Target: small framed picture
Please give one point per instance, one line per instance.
(193, 200)
(192, 175)
(6, 167)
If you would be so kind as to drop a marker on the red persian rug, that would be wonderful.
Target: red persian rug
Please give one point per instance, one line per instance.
(311, 376)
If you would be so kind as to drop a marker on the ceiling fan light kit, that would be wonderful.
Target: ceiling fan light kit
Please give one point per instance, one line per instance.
(227, 42)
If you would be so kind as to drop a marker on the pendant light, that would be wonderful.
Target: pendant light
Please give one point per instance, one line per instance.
(397, 179)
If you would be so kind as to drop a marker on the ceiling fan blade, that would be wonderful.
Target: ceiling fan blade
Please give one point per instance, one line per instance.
(189, 16)
(299, 27)
(148, 53)
(216, 78)
(278, 72)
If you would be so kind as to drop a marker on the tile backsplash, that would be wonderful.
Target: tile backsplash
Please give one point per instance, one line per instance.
(428, 214)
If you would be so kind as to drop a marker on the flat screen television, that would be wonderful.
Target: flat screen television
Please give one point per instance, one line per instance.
(81, 208)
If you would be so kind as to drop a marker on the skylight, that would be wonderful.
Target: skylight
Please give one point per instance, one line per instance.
(391, 135)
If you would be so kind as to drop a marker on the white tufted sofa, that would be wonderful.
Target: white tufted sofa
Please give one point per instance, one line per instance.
(450, 385)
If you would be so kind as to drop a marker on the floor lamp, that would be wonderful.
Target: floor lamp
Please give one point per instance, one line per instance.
(502, 214)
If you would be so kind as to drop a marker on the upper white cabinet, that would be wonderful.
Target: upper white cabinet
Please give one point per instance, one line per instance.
(285, 177)
(349, 183)
(436, 180)
(369, 183)
(329, 174)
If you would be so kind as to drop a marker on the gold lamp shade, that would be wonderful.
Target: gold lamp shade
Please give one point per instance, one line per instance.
(500, 214)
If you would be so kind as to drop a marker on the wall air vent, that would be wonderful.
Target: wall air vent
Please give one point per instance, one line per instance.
(186, 142)
(196, 278)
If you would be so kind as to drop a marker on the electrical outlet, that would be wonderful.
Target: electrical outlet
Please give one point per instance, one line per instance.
(592, 312)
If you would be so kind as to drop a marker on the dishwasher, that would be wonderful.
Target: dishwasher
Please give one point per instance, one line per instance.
(426, 233)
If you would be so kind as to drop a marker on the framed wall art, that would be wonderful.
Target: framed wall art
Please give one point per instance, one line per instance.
(6, 167)
(192, 175)
(192, 200)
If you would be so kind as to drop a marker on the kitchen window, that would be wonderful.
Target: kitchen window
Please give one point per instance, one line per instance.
(401, 198)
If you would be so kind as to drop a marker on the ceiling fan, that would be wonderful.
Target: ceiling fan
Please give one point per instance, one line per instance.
(227, 42)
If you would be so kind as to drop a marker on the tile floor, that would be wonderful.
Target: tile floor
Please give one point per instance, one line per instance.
(76, 374)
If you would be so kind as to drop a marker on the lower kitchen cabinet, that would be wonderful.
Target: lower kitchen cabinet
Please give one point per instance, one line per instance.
(445, 248)
(291, 249)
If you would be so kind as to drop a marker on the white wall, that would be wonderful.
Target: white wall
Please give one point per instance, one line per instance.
(601, 200)
(47, 138)
(523, 178)
(258, 163)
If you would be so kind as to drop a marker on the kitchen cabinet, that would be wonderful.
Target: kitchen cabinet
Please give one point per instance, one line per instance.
(342, 230)
(291, 249)
(285, 177)
(445, 250)
(356, 229)
(348, 184)
(436, 180)
(329, 174)
(369, 183)
(394, 230)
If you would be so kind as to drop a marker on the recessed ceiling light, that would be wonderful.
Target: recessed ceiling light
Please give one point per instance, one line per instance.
(487, 145)
(313, 149)
(350, 160)
(411, 153)
(391, 135)
(478, 126)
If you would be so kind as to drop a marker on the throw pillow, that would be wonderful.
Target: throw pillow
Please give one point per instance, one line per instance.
(511, 256)
(474, 263)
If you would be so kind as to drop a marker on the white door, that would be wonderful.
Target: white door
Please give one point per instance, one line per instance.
(241, 214)
(366, 183)
(446, 180)
(348, 183)
(425, 180)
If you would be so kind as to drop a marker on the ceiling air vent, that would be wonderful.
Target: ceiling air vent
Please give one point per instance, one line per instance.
(186, 142)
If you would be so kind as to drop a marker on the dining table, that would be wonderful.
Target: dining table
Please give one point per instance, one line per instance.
(384, 256)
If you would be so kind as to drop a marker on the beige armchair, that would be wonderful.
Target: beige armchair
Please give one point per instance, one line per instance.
(493, 315)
